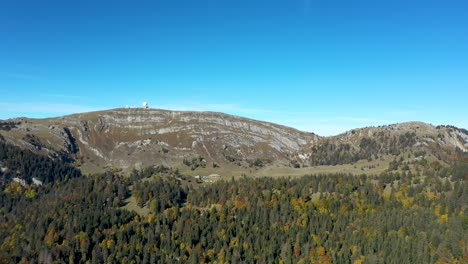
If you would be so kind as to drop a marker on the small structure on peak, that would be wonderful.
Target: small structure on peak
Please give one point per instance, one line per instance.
(145, 105)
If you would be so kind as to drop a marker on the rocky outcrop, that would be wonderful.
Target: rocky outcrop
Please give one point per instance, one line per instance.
(125, 137)
(136, 137)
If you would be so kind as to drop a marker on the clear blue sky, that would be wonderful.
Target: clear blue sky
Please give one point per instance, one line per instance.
(320, 66)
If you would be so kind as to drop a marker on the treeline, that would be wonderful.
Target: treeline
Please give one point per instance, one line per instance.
(336, 153)
(8, 125)
(390, 218)
(17, 162)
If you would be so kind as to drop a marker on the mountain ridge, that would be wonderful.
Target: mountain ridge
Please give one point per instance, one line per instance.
(161, 132)
(128, 138)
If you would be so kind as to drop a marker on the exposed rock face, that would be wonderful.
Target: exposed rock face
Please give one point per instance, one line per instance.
(125, 137)
(135, 138)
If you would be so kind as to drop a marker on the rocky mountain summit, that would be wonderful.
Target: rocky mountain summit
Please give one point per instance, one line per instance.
(128, 138)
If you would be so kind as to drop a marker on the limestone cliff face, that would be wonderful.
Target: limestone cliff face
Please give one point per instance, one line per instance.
(136, 137)
(127, 138)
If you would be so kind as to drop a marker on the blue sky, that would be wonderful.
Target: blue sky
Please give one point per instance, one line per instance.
(319, 66)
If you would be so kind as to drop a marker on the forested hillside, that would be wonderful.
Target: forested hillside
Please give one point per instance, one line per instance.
(17, 162)
(446, 144)
(389, 218)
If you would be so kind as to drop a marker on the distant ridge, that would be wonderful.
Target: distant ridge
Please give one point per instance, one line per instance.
(128, 138)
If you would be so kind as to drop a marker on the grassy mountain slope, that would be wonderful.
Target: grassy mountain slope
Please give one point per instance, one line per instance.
(128, 138)
(405, 142)
(205, 141)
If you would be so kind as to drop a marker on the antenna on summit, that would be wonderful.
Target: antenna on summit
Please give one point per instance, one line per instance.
(145, 105)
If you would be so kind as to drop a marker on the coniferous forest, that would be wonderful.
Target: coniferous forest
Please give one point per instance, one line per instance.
(74, 218)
